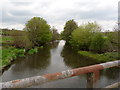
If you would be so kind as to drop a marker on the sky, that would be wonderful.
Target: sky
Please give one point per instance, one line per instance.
(15, 13)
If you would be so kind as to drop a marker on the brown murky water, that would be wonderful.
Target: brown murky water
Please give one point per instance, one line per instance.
(58, 57)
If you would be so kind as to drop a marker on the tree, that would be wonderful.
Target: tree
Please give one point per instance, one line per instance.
(38, 30)
(81, 37)
(68, 29)
(55, 34)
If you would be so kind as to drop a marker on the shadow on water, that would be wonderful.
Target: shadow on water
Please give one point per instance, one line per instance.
(74, 60)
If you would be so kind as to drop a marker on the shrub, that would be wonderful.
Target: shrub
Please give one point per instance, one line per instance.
(97, 43)
(22, 41)
(31, 51)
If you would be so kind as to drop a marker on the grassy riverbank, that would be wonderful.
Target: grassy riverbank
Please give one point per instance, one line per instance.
(14, 44)
(104, 57)
(11, 53)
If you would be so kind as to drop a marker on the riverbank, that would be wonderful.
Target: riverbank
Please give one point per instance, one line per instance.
(104, 57)
(9, 54)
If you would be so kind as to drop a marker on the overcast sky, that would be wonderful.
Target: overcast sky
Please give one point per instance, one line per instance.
(15, 13)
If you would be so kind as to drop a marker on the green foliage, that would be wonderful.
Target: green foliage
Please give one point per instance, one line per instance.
(6, 40)
(55, 34)
(113, 37)
(101, 57)
(39, 31)
(68, 29)
(10, 53)
(40, 47)
(82, 36)
(113, 40)
(93, 27)
(20, 52)
(31, 51)
(97, 43)
(22, 41)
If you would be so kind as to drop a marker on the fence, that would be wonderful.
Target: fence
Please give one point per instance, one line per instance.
(37, 80)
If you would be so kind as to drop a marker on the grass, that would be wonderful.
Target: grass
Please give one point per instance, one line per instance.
(10, 53)
(105, 57)
(6, 40)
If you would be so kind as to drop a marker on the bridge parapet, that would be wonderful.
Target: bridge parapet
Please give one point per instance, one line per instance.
(37, 80)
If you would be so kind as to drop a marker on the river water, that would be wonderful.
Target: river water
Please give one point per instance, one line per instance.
(57, 57)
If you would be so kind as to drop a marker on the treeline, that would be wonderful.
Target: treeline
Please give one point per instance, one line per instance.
(36, 33)
(89, 37)
(11, 32)
(86, 37)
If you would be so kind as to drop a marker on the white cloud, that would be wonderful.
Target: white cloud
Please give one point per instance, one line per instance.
(17, 12)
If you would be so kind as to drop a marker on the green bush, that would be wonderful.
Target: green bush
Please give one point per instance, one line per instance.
(22, 41)
(31, 51)
(97, 43)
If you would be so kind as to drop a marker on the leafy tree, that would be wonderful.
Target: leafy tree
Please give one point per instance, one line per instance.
(81, 37)
(93, 27)
(39, 31)
(55, 34)
(68, 29)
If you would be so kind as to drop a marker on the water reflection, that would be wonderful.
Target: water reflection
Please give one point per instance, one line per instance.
(54, 44)
(39, 60)
(73, 60)
(111, 73)
(89, 78)
(31, 65)
(95, 79)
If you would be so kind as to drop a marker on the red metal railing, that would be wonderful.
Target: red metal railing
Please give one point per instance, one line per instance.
(22, 83)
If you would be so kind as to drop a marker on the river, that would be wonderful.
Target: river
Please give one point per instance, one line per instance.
(57, 57)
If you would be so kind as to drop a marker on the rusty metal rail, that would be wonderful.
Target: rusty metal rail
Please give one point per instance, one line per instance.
(37, 80)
